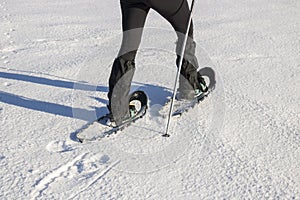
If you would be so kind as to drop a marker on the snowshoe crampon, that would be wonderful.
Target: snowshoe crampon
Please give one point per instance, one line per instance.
(138, 104)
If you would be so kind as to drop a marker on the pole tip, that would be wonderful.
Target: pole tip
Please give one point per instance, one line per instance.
(166, 135)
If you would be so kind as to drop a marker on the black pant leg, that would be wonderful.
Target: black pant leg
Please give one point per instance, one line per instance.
(133, 20)
(178, 16)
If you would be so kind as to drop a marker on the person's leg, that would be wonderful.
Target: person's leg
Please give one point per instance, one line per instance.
(133, 20)
(178, 16)
(177, 12)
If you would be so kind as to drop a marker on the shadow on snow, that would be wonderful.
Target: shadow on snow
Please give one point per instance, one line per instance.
(156, 94)
(51, 82)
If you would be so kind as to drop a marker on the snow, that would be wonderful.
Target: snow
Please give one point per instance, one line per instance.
(242, 142)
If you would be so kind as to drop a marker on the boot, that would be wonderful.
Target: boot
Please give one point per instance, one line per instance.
(119, 87)
(191, 83)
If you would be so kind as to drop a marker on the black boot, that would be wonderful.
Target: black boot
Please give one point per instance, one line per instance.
(119, 87)
(191, 83)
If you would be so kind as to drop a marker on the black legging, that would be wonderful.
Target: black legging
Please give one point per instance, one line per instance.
(134, 14)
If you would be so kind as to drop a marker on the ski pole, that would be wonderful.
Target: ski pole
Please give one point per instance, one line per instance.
(166, 134)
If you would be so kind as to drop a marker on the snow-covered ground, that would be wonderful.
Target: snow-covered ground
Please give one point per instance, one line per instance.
(242, 142)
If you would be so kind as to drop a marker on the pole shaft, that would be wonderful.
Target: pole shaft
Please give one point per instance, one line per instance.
(179, 69)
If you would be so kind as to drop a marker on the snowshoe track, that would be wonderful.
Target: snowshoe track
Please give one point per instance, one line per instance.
(83, 171)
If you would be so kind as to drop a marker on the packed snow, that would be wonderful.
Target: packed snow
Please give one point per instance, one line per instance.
(241, 142)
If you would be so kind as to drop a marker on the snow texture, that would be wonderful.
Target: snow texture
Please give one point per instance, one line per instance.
(242, 142)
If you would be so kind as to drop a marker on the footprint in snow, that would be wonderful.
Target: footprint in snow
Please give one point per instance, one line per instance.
(104, 159)
(58, 146)
(91, 163)
(76, 175)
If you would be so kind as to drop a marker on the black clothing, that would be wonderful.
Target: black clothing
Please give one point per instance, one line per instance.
(134, 13)
(119, 88)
